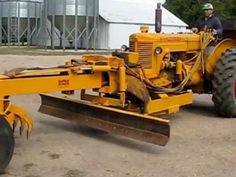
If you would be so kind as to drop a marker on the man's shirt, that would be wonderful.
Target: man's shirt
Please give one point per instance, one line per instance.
(211, 22)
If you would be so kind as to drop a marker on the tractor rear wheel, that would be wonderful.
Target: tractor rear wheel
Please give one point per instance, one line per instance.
(7, 144)
(224, 84)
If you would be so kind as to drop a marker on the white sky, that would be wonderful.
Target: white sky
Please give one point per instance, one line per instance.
(144, 1)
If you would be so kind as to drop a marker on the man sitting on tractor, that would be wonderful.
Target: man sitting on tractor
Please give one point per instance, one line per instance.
(209, 21)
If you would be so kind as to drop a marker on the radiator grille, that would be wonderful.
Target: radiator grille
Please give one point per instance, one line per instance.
(131, 46)
(145, 54)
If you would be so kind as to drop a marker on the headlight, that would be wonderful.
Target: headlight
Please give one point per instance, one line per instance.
(158, 50)
(124, 48)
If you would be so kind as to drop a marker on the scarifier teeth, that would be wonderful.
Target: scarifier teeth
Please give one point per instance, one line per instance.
(14, 125)
(24, 123)
(21, 130)
(28, 134)
(14, 115)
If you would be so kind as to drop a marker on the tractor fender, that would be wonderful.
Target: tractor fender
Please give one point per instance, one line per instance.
(216, 54)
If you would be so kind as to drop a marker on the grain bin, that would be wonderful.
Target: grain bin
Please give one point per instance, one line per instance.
(19, 20)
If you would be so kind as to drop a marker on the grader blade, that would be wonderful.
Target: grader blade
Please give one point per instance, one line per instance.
(133, 125)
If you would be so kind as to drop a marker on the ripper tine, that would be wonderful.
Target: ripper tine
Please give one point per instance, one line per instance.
(18, 114)
(22, 127)
(21, 131)
(14, 125)
(28, 134)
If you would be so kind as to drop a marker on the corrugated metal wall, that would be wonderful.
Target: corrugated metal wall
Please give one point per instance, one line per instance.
(19, 21)
(73, 23)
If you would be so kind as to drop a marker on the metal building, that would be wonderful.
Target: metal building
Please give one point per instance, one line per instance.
(70, 24)
(116, 24)
(19, 21)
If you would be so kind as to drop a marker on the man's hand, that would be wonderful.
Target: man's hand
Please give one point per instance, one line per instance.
(195, 30)
(214, 32)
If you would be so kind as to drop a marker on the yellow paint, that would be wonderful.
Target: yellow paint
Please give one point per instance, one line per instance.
(105, 101)
(179, 67)
(122, 79)
(216, 54)
(46, 84)
(105, 68)
(170, 104)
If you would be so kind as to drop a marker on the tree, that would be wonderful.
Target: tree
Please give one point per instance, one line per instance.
(190, 10)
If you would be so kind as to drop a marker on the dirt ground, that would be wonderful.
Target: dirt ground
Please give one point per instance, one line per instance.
(201, 144)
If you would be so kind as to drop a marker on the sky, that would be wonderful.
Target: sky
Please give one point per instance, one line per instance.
(162, 1)
(146, 1)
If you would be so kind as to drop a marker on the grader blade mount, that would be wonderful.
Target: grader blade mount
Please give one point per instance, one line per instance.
(133, 125)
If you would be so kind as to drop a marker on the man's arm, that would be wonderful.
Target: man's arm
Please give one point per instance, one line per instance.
(196, 26)
(218, 26)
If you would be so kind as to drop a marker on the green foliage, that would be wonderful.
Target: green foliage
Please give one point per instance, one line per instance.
(190, 10)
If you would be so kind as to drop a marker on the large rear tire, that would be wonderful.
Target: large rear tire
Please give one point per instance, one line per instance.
(224, 84)
(7, 144)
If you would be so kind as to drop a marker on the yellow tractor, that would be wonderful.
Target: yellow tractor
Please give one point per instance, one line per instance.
(124, 93)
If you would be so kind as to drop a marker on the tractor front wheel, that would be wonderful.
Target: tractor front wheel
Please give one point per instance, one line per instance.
(6, 144)
(224, 84)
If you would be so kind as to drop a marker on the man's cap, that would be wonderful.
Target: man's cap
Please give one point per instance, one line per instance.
(207, 6)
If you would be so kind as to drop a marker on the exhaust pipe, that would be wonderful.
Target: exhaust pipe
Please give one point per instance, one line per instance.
(158, 17)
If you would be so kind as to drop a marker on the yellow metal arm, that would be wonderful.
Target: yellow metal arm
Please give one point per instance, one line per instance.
(29, 81)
